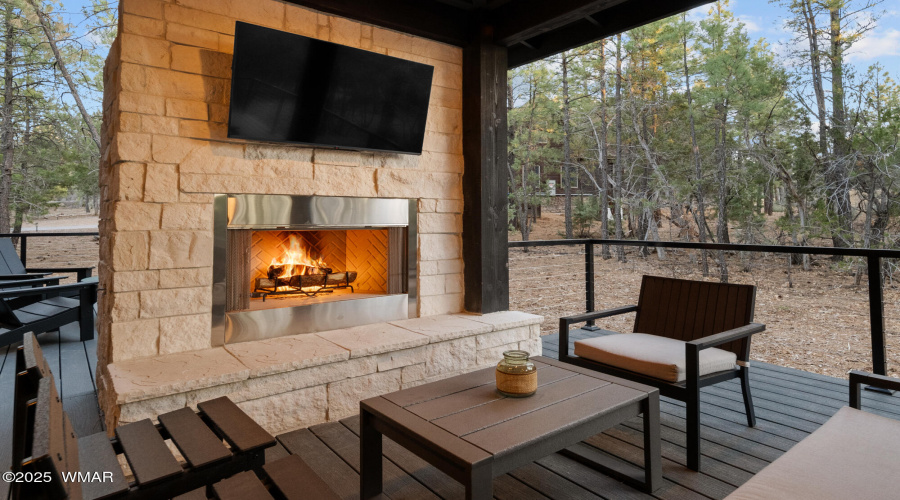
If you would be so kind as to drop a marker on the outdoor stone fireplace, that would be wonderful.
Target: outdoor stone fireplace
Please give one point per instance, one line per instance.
(172, 332)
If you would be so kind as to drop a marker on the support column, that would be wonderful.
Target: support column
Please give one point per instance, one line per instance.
(485, 179)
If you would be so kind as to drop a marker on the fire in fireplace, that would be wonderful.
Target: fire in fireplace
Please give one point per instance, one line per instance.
(291, 264)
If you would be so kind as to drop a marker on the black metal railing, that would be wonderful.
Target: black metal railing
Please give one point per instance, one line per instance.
(23, 240)
(873, 260)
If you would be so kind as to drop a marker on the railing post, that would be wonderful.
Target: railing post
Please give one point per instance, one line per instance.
(589, 282)
(23, 250)
(876, 319)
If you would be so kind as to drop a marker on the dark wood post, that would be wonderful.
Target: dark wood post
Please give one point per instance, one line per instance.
(485, 184)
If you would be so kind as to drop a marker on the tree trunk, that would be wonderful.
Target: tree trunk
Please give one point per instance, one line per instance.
(7, 143)
(812, 34)
(617, 215)
(838, 177)
(604, 162)
(567, 152)
(695, 152)
(722, 222)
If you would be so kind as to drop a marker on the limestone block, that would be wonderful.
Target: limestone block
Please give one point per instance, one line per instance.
(294, 352)
(182, 278)
(172, 149)
(447, 75)
(184, 333)
(218, 113)
(199, 19)
(454, 284)
(447, 303)
(428, 268)
(226, 44)
(202, 130)
(151, 408)
(134, 339)
(443, 328)
(130, 250)
(388, 160)
(129, 122)
(161, 184)
(401, 358)
(392, 40)
(533, 346)
(277, 152)
(411, 374)
(262, 13)
(186, 216)
(291, 411)
(426, 205)
(143, 26)
(143, 50)
(450, 206)
(450, 356)
(145, 8)
(447, 98)
(332, 180)
(162, 82)
(180, 108)
(395, 183)
(133, 281)
(374, 339)
(131, 147)
(450, 266)
(439, 246)
(125, 306)
(343, 158)
(443, 162)
(493, 355)
(136, 216)
(431, 285)
(142, 103)
(284, 169)
(175, 301)
(506, 320)
(189, 35)
(177, 249)
(345, 32)
(436, 50)
(149, 378)
(442, 143)
(300, 21)
(440, 223)
(502, 337)
(215, 158)
(444, 120)
(152, 124)
(128, 182)
(344, 396)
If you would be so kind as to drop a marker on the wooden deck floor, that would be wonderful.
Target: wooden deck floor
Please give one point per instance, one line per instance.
(789, 405)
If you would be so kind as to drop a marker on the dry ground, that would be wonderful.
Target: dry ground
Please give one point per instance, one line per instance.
(74, 251)
(816, 320)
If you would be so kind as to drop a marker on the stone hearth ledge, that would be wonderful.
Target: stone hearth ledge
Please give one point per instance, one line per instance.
(292, 382)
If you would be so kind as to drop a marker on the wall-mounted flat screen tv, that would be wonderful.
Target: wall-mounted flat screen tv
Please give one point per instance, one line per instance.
(295, 89)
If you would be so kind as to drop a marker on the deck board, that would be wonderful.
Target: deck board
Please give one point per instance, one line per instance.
(790, 404)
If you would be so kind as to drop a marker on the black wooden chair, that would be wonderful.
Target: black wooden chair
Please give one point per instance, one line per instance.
(12, 267)
(46, 309)
(688, 335)
(45, 444)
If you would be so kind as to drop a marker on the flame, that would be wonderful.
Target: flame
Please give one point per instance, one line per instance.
(298, 259)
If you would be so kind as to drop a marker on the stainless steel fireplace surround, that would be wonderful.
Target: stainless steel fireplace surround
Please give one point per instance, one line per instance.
(282, 212)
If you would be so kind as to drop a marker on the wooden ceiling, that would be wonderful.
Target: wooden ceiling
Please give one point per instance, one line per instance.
(530, 29)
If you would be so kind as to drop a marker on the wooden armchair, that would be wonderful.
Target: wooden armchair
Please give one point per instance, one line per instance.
(47, 309)
(12, 267)
(688, 335)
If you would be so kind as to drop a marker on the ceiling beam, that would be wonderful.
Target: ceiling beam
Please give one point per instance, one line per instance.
(524, 19)
(615, 19)
(425, 18)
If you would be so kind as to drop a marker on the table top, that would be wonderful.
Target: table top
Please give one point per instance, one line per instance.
(466, 415)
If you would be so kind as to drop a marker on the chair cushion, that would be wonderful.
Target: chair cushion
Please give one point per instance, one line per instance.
(651, 355)
(853, 455)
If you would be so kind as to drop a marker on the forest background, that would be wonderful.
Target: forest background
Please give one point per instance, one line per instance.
(690, 124)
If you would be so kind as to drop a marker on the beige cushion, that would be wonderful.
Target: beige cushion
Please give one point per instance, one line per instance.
(854, 455)
(650, 355)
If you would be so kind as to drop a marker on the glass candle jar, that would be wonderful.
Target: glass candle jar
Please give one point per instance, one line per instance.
(516, 375)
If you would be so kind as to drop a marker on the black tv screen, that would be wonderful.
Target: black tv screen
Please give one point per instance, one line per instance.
(291, 88)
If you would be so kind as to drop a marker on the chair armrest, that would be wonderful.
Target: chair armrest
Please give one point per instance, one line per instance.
(39, 281)
(859, 377)
(47, 290)
(23, 276)
(727, 336)
(567, 321)
(83, 272)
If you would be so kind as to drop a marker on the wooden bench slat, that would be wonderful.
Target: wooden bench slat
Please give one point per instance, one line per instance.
(96, 454)
(196, 442)
(47, 307)
(296, 480)
(241, 432)
(198, 494)
(72, 462)
(243, 486)
(146, 452)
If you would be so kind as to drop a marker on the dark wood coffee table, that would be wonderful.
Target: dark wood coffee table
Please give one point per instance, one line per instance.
(462, 426)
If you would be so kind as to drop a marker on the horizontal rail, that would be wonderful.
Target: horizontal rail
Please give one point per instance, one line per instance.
(730, 247)
(42, 234)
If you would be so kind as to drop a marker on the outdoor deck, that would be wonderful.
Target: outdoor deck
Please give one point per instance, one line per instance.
(789, 405)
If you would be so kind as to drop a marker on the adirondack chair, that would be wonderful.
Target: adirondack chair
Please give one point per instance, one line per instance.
(50, 309)
(45, 444)
(687, 335)
(12, 267)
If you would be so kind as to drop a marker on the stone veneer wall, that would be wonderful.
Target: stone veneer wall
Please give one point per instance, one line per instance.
(165, 153)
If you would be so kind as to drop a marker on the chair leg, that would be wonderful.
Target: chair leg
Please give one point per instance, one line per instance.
(692, 404)
(748, 399)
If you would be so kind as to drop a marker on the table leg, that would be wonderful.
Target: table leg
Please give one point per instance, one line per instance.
(370, 473)
(481, 483)
(652, 449)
